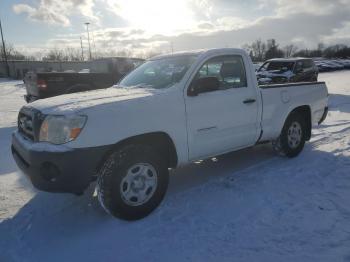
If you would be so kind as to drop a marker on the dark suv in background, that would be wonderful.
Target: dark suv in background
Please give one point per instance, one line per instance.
(100, 73)
(284, 70)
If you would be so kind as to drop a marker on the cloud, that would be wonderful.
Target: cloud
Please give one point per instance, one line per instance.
(292, 22)
(215, 23)
(57, 12)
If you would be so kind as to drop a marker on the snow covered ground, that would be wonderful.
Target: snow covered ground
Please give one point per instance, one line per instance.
(249, 205)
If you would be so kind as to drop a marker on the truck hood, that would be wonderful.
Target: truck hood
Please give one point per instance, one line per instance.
(275, 73)
(76, 102)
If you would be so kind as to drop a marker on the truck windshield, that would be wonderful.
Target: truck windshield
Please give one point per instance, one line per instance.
(160, 73)
(278, 66)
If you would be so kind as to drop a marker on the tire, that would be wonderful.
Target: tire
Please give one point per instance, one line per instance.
(132, 182)
(292, 138)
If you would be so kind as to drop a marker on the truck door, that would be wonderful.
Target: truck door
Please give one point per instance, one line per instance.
(224, 119)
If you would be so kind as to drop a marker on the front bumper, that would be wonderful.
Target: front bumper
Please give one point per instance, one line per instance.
(57, 168)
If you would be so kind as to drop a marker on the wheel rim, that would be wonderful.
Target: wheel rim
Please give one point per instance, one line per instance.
(139, 184)
(295, 134)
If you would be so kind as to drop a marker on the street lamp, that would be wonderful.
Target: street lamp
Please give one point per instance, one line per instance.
(87, 29)
(4, 50)
(82, 49)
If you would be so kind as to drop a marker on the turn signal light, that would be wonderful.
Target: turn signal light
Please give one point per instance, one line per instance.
(74, 132)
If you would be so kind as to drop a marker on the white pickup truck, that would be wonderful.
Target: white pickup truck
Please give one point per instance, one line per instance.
(170, 111)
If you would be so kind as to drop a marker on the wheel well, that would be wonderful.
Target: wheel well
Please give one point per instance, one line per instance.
(305, 112)
(159, 141)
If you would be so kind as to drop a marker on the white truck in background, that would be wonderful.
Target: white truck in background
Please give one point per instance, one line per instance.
(170, 111)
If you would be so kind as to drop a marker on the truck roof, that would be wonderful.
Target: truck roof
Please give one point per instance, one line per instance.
(118, 58)
(198, 52)
(177, 54)
(291, 59)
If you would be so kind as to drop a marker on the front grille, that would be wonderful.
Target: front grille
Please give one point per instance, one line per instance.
(29, 121)
(25, 123)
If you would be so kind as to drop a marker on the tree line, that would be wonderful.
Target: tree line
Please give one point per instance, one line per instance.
(261, 50)
(69, 54)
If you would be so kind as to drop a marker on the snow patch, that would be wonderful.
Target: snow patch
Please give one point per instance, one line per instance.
(249, 205)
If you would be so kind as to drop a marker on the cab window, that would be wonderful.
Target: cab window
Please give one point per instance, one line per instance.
(229, 70)
(298, 66)
(307, 64)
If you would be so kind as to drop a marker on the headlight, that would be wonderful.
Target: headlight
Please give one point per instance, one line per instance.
(61, 129)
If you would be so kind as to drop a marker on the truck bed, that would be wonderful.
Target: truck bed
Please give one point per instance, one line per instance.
(279, 99)
(65, 82)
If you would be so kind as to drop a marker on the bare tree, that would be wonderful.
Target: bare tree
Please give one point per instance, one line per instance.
(72, 54)
(54, 55)
(256, 50)
(125, 52)
(320, 46)
(259, 49)
(12, 52)
(150, 53)
(290, 50)
(273, 50)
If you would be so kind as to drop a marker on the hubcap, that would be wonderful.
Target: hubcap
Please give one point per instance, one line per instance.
(139, 184)
(294, 135)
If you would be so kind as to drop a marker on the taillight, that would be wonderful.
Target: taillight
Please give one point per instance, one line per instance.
(42, 85)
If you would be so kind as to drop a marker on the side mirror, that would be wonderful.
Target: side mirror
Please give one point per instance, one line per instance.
(203, 85)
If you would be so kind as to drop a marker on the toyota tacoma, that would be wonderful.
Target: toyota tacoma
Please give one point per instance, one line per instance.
(170, 111)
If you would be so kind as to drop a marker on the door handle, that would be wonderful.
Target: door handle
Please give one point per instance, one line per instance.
(249, 101)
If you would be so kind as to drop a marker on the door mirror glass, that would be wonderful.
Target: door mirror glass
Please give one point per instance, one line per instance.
(203, 85)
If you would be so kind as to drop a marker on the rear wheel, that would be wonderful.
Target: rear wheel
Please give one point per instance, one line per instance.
(132, 182)
(292, 139)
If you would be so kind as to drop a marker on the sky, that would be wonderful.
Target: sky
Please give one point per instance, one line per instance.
(159, 25)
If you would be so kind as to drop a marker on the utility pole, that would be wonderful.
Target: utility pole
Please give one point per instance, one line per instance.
(87, 29)
(82, 49)
(4, 50)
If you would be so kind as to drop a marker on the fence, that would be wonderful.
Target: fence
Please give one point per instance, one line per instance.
(19, 68)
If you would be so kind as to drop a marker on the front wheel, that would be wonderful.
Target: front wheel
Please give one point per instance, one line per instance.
(132, 182)
(292, 139)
